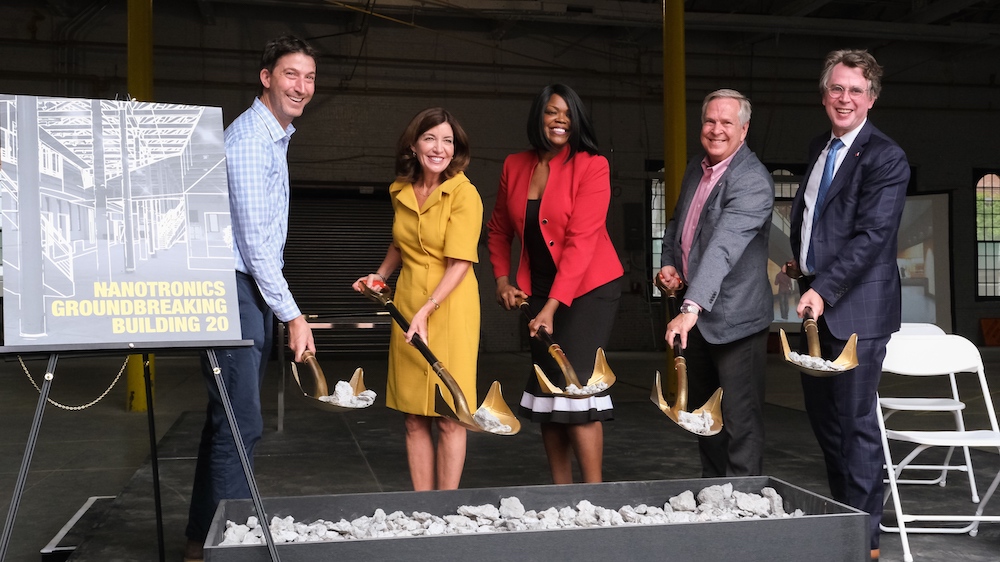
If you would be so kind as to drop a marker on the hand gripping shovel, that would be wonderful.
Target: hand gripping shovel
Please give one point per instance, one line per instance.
(493, 406)
(601, 379)
(320, 390)
(813, 364)
(705, 421)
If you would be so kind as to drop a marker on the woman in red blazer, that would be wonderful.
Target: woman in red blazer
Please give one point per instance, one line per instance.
(555, 199)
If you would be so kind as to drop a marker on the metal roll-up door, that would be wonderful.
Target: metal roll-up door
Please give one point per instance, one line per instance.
(335, 236)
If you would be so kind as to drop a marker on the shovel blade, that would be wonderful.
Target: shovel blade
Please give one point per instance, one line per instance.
(357, 384)
(358, 381)
(712, 406)
(546, 384)
(444, 409)
(847, 360)
(602, 371)
(494, 404)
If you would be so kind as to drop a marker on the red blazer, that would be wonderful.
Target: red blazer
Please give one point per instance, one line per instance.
(572, 216)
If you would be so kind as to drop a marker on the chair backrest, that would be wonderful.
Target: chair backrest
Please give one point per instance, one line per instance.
(922, 355)
(919, 328)
(929, 355)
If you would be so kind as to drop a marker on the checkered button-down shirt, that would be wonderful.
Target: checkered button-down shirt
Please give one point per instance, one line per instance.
(256, 160)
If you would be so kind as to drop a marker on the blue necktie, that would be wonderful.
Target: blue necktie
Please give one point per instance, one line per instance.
(824, 186)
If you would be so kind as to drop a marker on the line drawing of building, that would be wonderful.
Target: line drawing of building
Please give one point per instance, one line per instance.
(107, 191)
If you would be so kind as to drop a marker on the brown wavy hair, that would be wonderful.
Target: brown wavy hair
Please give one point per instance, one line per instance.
(408, 167)
(853, 58)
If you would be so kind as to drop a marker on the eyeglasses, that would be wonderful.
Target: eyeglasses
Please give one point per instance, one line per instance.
(837, 91)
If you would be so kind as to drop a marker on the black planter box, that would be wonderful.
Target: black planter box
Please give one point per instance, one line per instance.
(829, 531)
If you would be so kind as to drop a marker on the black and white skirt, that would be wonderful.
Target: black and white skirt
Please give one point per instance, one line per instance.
(580, 329)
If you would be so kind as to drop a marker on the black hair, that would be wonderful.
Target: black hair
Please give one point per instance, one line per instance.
(281, 46)
(581, 131)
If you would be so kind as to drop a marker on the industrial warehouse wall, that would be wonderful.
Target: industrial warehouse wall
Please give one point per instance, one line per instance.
(939, 102)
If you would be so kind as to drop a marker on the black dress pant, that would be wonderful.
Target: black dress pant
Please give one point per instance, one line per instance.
(739, 368)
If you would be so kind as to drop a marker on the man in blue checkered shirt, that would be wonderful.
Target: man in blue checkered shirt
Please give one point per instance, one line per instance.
(256, 149)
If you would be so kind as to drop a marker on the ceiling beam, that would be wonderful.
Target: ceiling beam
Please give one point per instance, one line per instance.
(611, 13)
(937, 11)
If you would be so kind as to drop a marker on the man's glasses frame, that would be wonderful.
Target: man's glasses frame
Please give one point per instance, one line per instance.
(838, 91)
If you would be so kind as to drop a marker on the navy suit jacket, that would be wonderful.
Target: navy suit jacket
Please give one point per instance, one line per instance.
(854, 239)
(728, 258)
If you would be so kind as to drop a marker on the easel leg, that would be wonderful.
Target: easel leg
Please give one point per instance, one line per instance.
(29, 450)
(242, 451)
(153, 454)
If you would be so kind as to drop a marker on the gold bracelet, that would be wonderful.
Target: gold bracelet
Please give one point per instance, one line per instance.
(437, 305)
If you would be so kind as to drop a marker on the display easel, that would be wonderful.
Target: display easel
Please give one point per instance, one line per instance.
(43, 396)
(109, 232)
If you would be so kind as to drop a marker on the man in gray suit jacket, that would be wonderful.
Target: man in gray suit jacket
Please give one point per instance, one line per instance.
(715, 246)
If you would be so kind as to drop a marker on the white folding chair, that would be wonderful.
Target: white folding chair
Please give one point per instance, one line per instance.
(892, 405)
(935, 355)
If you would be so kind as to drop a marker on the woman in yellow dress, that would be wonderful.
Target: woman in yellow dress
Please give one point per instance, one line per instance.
(435, 238)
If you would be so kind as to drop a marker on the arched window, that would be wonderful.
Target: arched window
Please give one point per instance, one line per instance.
(988, 235)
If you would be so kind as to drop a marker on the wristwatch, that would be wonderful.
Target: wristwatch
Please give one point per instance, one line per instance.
(688, 308)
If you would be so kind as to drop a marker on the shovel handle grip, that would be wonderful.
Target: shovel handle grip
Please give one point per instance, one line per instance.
(542, 334)
(555, 350)
(379, 292)
(676, 345)
(319, 379)
(811, 329)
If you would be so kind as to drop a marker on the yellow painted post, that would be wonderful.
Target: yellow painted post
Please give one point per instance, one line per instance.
(134, 376)
(140, 49)
(674, 103)
(140, 86)
(674, 131)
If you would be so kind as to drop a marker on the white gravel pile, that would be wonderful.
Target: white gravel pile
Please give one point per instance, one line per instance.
(587, 390)
(814, 363)
(696, 423)
(714, 503)
(486, 420)
(343, 395)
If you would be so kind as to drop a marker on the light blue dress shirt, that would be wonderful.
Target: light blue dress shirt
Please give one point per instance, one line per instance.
(256, 160)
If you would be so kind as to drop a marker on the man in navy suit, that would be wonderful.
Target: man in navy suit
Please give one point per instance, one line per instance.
(845, 221)
(716, 246)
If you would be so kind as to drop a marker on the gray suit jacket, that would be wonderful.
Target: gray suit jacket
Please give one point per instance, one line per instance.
(727, 264)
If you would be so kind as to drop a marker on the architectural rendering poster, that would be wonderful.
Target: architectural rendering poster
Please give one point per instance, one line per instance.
(116, 226)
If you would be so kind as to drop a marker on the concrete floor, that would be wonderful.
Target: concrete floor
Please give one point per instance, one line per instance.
(104, 450)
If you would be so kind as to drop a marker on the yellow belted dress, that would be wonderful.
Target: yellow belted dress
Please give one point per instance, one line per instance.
(448, 226)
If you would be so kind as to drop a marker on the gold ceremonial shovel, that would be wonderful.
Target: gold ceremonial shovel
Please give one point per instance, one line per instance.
(709, 415)
(320, 388)
(602, 371)
(847, 360)
(705, 421)
(493, 406)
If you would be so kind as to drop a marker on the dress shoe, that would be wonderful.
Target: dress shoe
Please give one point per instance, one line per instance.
(194, 551)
